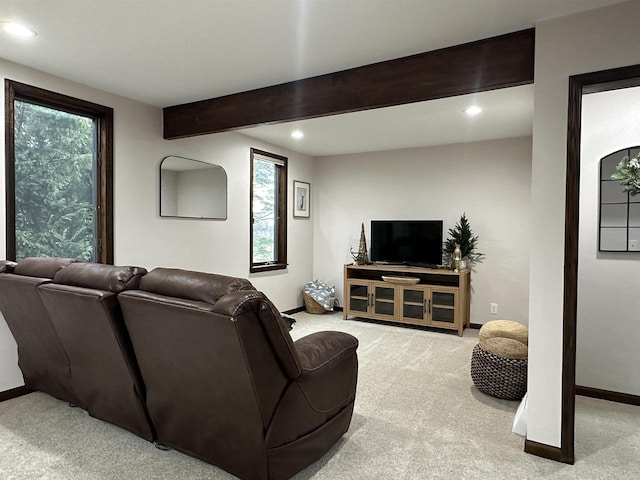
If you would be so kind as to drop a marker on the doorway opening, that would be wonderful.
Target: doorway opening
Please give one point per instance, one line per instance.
(579, 85)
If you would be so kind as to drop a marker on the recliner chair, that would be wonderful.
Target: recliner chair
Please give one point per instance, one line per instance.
(41, 356)
(83, 306)
(226, 383)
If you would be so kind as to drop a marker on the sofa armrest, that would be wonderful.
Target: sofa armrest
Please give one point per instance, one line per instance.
(329, 369)
(7, 266)
(320, 351)
(251, 306)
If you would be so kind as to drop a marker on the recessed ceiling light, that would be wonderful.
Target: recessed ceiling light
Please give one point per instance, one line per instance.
(297, 134)
(17, 30)
(472, 111)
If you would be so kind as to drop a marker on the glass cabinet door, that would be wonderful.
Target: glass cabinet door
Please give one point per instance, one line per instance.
(384, 303)
(414, 306)
(359, 299)
(443, 307)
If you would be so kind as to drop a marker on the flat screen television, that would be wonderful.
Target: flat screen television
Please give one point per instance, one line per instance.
(407, 242)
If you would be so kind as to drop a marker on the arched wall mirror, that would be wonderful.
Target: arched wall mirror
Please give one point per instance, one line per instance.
(619, 210)
(192, 189)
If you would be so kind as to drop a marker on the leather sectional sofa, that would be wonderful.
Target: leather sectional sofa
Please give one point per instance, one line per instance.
(199, 362)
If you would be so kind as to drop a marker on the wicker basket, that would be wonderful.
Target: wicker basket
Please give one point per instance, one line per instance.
(311, 305)
(498, 376)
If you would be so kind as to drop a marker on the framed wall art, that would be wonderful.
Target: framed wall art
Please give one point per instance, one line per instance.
(301, 199)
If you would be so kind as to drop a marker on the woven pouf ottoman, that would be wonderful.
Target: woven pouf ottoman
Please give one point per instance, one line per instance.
(499, 368)
(504, 329)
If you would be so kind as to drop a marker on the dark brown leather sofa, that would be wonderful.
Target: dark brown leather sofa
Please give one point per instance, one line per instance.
(226, 383)
(207, 356)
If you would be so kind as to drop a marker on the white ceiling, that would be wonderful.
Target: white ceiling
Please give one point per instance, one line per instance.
(167, 52)
(505, 113)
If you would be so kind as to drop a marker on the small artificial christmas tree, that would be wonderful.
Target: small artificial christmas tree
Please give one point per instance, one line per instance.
(462, 235)
(361, 257)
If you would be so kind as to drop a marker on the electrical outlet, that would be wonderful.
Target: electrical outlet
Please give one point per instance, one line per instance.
(493, 308)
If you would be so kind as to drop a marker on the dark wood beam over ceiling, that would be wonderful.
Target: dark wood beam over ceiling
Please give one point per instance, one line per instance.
(489, 64)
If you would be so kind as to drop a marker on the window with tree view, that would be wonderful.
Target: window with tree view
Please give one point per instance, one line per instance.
(53, 174)
(268, 211)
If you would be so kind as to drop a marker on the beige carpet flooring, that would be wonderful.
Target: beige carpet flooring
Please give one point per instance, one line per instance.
(417, 416)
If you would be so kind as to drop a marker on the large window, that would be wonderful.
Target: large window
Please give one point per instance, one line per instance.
(268, 221)
(58, 175)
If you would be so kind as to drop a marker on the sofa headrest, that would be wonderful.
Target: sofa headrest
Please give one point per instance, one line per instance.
(199, 286)
(100, 277)
(7, 266)
(42, 267)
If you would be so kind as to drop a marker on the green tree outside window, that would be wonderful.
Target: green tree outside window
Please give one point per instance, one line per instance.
(55, 175)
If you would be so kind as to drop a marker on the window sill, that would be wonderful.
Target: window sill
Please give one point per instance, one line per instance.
(267, 267)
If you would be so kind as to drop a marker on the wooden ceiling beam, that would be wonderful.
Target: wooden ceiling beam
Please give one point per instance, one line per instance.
(489, 64)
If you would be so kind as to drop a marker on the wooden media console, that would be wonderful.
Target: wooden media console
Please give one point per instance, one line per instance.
(412, 295)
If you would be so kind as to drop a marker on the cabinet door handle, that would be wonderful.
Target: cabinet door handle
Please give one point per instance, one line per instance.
(429, 306)
(371, 299)
(425, 305)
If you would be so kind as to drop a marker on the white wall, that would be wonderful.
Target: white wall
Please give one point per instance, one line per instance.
(141, 236)
(490, 181)
(221, 246)
(10, 375)
(587, 42)
(608, 333)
